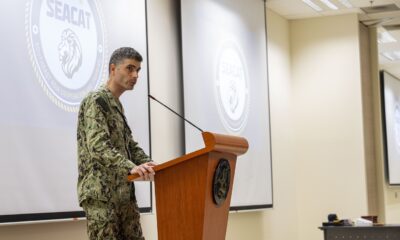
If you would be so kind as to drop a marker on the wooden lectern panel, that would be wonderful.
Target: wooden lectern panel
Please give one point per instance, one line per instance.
(180, 200)
(216, 217)
(193, 210)
(187, 206)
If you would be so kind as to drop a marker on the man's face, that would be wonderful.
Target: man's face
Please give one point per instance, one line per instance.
(125, 74)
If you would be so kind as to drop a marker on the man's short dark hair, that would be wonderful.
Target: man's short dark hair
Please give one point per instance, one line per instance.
(124, 53)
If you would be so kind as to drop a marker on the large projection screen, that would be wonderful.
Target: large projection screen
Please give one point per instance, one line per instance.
(226, 87)
(390, 94)
(53, 53)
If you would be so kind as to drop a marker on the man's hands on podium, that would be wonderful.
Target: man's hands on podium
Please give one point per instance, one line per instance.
(145, 171)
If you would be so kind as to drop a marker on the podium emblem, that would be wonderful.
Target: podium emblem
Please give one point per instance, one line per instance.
(221, 182)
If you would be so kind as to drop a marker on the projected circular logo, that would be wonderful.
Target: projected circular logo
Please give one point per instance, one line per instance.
(232, 87)
(67, 47)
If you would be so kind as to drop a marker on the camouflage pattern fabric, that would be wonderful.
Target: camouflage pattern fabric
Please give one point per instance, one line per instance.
(112, 221)
(106, 153)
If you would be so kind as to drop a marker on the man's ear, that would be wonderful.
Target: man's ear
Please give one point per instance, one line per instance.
(112, 68)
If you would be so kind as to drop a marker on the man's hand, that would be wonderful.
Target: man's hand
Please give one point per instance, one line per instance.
(145, 170)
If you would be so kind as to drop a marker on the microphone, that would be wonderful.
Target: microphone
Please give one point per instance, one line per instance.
(176, 113)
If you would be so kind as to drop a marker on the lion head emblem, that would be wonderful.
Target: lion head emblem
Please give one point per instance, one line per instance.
(233, 96)
(69, 52)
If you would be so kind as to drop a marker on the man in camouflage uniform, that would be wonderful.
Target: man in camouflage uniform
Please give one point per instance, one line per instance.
(107, 153)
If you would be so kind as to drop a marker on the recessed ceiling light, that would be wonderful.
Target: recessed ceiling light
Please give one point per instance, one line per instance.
(330, 4)
(346, 3)
(313, 5)
(392, 56)
(385, 36)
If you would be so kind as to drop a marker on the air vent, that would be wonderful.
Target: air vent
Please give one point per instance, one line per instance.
(381, 9)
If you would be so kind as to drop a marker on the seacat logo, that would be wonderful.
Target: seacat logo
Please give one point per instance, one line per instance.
(397, 125)
(67, 47)
(69, 52)
(232, 87)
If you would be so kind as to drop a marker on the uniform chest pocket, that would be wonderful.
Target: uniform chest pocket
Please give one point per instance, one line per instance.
(116, 128)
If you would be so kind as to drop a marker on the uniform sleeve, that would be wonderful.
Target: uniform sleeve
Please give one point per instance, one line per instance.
(98, 139)
(137, 153)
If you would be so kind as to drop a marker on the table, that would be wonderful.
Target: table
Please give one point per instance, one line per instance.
(381, 232)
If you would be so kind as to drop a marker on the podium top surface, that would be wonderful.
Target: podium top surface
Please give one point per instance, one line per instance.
(213, 142)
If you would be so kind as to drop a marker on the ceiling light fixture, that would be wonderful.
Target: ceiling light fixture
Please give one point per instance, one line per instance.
(329, 4)
(313, 5)
(346, 3)
(387, 55)
(385, 37)
(392, 56)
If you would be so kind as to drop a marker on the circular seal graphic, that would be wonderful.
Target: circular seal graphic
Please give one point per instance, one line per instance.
(232, 87)
(67, 47)
(221, 181)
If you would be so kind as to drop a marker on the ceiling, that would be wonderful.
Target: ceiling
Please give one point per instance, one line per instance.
(382, 14)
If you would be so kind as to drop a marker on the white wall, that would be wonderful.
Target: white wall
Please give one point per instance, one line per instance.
(281, 221)
(328, 121)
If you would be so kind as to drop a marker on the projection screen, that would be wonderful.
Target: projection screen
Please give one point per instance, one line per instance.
(390, 94)
(53, 53)
(226, 87)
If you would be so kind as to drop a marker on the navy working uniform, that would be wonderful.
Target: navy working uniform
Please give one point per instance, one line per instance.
(106, 154)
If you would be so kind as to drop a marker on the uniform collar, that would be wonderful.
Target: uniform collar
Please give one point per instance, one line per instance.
(112, 99)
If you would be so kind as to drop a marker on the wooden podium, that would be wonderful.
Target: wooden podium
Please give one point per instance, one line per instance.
(193, 192)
